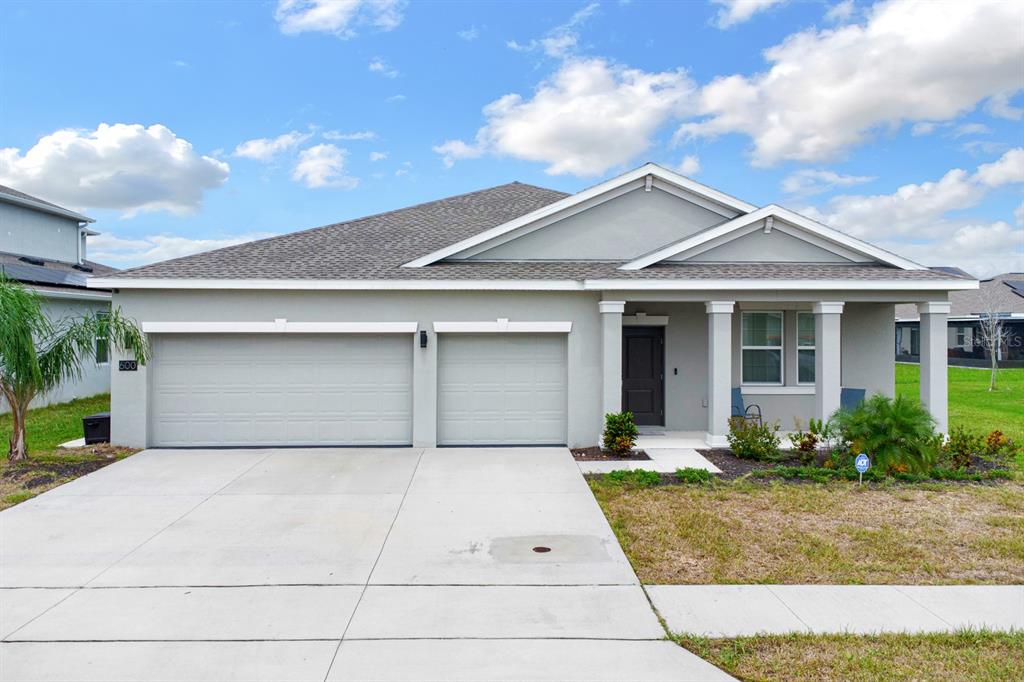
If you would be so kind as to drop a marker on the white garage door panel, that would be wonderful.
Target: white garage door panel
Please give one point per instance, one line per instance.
(502, 389)
(289, 389)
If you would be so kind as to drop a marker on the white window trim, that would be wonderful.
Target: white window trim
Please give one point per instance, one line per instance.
(502, 326)
(280, 326)
(765, 389)
(781, 348)
(800, 348)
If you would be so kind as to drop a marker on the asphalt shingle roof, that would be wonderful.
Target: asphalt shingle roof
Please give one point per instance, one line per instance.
(14, 266)
(992, 295)
(375, 247)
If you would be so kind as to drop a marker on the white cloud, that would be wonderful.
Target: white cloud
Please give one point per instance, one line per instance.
(589, 116)
(690, 165)
(108, 248)
(970, 129)
(840, 12)
(562, 40)
(378, 65)
(469, 34)
(266, 148)
(395, 98)
(338, 17)
(916, 219)
(378, 156)
(180, 63)
(809, 181)
(335, 135)
(323, 165)
(827, 90)
(999, 106)
(735, 12)
(125, 167)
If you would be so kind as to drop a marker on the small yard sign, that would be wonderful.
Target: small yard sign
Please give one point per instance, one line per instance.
(862, 464)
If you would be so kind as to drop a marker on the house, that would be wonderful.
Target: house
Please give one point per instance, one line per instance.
(1001, 296)
(43, 246)
(520, 315)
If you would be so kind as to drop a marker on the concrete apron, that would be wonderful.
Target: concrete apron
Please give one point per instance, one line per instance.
(397, 564)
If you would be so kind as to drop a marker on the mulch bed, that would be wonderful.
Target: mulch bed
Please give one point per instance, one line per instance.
(734, 467)
(32, 473)
(596, 454)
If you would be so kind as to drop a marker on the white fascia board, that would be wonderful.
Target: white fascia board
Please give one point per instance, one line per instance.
(503, 327)
(779, 285)
(279, 327)
(812, 227)
(72, 295)
(45, 208)
(633, 176)
(340, 285)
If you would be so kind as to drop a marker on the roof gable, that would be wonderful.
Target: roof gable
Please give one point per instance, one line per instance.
(768, 218)
(646, 178)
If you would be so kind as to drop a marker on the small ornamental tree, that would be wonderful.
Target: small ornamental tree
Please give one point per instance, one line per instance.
(37, 354)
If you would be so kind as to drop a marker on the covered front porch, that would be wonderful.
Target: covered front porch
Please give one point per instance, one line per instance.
(681, 361)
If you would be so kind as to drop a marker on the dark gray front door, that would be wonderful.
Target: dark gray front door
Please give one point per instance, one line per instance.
(643, 374)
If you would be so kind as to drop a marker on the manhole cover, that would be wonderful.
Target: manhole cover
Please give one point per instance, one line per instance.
(541, 550)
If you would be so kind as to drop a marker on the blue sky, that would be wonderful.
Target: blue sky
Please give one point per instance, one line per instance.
(184, 126)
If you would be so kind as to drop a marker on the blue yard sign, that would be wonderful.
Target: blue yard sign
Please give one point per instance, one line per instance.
(862, 464)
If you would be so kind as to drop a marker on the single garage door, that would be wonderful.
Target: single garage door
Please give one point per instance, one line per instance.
(281, 389)
(502, 389)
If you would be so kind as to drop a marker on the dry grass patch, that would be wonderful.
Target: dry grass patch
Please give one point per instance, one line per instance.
(981, 656)
(828, 534)
(42, 471)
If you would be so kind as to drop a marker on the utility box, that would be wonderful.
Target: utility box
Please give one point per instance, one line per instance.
(97, 428)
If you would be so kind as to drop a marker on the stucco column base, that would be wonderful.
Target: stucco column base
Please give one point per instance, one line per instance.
(934, 361)
(719, 370)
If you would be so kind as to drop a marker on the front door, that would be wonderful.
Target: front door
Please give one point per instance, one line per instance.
(643, 374)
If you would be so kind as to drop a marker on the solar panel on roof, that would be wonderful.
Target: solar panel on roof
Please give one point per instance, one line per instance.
(1016, 284)
(38, 275)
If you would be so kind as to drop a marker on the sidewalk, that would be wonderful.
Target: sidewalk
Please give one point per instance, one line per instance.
(741, 610)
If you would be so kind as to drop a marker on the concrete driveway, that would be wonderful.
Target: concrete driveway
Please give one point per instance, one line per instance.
(340, 564)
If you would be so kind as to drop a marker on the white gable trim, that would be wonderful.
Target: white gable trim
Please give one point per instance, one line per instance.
(702, 195)
(280, 326)
(503, 326)
(812, 239)
(807, 228)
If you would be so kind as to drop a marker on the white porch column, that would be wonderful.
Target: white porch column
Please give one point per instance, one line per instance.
(827, 358)
(611, 356)
(719, 370)
(933, 361)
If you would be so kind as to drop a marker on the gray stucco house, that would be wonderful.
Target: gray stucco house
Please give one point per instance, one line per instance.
(43, 246)
(1001, 296)
(520, 315)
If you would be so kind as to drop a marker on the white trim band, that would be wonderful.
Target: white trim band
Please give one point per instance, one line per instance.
(280, 326)
(611, 306)
(719, 306)
(72, 295)
(828, 308)
(942, 307)
(502, 326)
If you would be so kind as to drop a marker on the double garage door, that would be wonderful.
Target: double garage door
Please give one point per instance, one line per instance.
(352, 389)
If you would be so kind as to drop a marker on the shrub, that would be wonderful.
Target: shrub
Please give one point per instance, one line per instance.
(750, 440)
(961, 448)
(691, 475)
(620, 433)
(805, 442)
(638, 478)
(898, 434)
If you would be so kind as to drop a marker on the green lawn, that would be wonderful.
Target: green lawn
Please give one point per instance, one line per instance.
(50, 426)
(971, 405)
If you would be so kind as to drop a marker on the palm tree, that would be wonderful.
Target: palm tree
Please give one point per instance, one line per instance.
(37, 354)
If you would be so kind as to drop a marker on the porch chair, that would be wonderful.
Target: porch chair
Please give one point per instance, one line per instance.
(752, 413)
(851, 398)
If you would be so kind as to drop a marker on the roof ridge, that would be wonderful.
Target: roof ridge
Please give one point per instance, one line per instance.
(351, 221)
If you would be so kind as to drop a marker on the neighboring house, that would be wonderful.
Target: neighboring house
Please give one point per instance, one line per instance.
(1002, 296)
(520, 315)
(43, 246)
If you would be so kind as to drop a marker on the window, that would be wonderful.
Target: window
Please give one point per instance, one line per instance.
(761, 335)
(102, 346)
(805, 348)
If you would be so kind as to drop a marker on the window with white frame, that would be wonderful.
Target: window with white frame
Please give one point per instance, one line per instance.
(761, 335)
(102, 345)
(805, 348)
